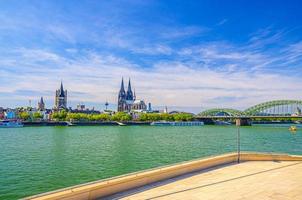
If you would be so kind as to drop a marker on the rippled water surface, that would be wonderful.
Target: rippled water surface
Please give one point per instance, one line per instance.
(40, 159)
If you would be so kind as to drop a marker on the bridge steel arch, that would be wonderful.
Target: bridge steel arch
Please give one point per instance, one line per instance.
(215, 111)
(255, 110)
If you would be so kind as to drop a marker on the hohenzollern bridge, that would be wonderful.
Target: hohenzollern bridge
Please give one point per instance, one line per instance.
(277, 108)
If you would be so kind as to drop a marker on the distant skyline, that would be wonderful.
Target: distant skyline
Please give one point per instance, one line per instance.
(188, 55)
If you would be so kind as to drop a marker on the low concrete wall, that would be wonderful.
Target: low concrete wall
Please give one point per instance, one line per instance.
(107, 187)
(254, 156)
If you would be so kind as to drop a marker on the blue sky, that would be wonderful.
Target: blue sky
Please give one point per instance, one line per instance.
(188, 55)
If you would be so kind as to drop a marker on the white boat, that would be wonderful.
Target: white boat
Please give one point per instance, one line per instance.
(222, 123)
(10, 124)
(165, 123)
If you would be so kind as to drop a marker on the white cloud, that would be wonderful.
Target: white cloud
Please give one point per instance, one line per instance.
(222, 22)
(153, 50)
(61, 32)
(96, 77)
(181, 32)
(35, 55)
(206, 74)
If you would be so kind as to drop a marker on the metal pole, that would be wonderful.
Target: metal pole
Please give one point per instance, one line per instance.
(238, 122)
(238, 144)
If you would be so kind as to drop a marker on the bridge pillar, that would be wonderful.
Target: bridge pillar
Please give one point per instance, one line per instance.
(244, 122)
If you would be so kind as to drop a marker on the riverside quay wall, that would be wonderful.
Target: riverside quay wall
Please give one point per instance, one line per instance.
(63, 123)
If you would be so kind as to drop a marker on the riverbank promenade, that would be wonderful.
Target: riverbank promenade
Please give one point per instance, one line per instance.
(257, 176)
(248, 180)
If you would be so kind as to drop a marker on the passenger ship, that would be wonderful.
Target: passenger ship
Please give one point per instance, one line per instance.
(10, 124)
(165, 123)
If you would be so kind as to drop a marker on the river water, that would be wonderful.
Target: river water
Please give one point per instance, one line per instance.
(41, 159)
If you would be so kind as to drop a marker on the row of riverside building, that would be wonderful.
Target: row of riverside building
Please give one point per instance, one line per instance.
(127, 101)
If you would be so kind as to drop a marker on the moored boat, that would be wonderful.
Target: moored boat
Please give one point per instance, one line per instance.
(165, 123)
(222, 123)
(10, 124)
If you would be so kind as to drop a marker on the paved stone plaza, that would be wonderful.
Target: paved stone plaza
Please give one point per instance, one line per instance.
(249, 180)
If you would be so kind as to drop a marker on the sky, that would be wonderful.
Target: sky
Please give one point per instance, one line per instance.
(187, 55)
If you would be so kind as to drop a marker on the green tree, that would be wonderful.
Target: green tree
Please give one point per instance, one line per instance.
(24, 116)
(37, 115)
(143, 117)
(167, 117)
(60, 116)
(183, 117)
(121, 116)
(155, 117)
(78, 116)
(100, 117)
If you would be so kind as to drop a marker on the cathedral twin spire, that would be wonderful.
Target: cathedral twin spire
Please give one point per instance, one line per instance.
(129, 92)
(129, 95)
(127, 101)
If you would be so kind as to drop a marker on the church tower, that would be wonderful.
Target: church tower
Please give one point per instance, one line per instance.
(41, 104)
(61, 98)
(121, 98)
